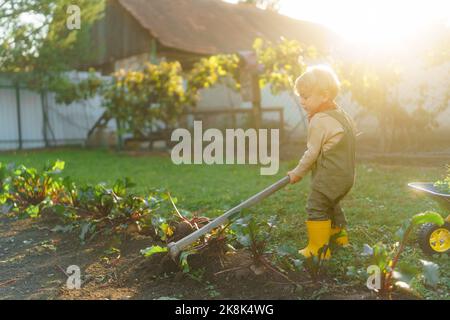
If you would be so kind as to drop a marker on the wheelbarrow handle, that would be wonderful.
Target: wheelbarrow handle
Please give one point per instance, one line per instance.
(176, 247)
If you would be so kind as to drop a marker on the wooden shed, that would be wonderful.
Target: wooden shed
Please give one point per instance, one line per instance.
(132, 32)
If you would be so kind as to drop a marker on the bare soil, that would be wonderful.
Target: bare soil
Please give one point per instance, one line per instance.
(34, 260)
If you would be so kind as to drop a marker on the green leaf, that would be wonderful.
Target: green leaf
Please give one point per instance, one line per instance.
(121, 185)
(380, 256)
(428, 217)
(244, 240)
(430, 272)
(167, 231)
(402, 230)
(58, 166)
(286, 249)
(65, 212)
(184, 262)
(111, 251)
(32, 211)
(148, 252)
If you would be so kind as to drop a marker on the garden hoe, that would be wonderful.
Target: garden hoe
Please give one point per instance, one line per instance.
(176, 247)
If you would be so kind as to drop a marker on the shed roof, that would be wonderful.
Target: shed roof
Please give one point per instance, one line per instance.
(214, 26)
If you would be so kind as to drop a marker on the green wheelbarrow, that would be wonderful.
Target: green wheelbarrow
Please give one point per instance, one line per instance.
(434, 239)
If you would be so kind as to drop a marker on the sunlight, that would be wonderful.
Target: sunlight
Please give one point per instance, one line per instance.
(371, 23)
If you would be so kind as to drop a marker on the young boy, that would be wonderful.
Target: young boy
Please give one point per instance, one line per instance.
(330, 155)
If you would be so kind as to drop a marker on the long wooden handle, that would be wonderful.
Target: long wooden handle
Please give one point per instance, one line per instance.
(176, 247)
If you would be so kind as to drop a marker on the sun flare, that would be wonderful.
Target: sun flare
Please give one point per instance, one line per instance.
(371, 23)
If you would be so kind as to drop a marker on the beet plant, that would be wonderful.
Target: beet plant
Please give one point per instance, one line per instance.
(390, 274)
(29, 191)
(92, 208)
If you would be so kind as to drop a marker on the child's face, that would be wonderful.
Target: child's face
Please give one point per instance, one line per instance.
(311, 101)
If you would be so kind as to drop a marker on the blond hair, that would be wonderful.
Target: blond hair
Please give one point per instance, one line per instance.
(320, 78)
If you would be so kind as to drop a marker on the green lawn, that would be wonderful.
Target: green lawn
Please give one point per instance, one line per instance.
(376, 207)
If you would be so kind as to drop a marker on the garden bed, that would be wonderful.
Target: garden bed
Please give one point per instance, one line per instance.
(34, 260)
(34, 255)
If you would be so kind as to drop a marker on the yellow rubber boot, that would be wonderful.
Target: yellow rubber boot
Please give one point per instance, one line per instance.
(342, 239)
(318, 236)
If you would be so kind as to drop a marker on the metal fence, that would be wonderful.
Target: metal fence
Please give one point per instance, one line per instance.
(30, 119)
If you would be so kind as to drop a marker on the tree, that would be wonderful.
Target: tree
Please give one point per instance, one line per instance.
(35, 44)
(370, 85)
(282, 63)
(376, 89)
(207, 72)
(155, 97)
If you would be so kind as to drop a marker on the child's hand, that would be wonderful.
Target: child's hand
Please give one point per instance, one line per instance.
(293, 177)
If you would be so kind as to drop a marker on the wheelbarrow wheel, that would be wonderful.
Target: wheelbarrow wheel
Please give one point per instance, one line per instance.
(434, 239)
